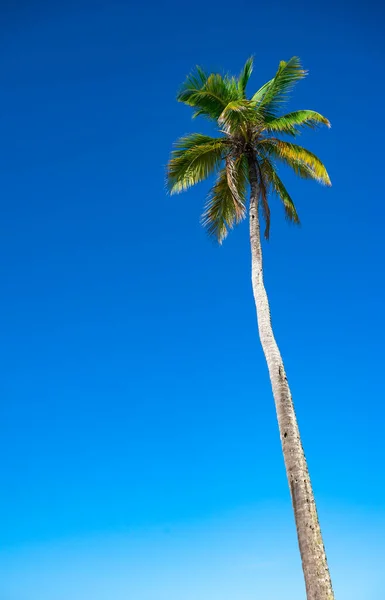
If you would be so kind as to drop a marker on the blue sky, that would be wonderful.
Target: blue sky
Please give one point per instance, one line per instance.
(141, 457)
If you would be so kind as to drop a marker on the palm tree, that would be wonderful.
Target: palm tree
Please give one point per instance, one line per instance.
(246, 155)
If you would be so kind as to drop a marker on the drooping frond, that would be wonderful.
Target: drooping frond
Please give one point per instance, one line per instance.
(237, 177)
(274, 93)
(226, 203)
(303, 162)
(194, 158)
(208, 94)
(245, 76)
(238, 115)
(291, 122)
(280, 190)
(264, 202)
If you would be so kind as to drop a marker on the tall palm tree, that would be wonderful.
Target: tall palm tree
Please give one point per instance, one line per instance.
(246, 156)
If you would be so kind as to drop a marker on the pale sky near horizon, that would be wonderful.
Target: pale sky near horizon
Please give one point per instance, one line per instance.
(249, 553)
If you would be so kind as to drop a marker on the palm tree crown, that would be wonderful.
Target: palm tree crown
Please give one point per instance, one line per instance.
(249, 127)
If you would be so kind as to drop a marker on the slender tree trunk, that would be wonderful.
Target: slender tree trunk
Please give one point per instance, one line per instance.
(314, 563)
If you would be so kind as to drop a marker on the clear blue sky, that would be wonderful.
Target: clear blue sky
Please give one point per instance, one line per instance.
(140, 452)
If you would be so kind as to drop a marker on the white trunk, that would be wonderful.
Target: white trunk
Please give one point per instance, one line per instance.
(314, 563)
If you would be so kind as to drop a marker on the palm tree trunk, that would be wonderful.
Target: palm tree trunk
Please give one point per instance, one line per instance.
(314, 563)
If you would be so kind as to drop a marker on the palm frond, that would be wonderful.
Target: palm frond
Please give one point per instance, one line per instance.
(303, 162)
(263, 200)
(226, 204)
(275, 92)
(245, 76)
(238, 115)
(259, 95)
(291, 122)
(280, 190)
(237, 176)
(194, 158)
(209, 94)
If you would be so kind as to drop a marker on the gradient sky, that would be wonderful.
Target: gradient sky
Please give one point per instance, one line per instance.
(140, 452)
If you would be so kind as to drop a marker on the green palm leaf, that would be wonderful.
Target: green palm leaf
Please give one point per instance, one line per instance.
(208, 94)
(238, 116)
(263, 199)
(290, 122)
(245, 76)
(280, 190)
(275, 92)
(303, 162)
(194, 158)
(226, 203)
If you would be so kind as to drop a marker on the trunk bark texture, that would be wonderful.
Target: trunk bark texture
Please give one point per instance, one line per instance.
(314, 563)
